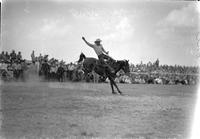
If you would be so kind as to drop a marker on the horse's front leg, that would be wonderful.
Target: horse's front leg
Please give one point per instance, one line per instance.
(116, 86)
(111, 84)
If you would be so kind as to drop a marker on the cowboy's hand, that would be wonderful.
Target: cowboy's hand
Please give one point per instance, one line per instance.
(107, 52)
(83, 38)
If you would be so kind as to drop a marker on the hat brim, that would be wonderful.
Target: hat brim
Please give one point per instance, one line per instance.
(98, 41)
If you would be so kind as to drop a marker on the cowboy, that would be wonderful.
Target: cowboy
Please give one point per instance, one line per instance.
(100, 51)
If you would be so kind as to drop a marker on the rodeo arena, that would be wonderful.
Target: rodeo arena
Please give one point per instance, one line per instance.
(47, 98)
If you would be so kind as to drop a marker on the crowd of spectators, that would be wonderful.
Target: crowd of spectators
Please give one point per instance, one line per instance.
(54, 65)
(12, 57)
(11, 65)
(140, 73)
(157, 68)
(164, 74)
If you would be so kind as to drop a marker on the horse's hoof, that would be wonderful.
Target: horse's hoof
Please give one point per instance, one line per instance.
(114, 93)
(121, 94)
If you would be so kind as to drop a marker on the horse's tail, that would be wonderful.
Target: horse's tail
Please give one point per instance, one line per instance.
(81, 58)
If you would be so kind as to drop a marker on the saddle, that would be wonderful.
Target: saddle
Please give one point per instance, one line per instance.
(106, 64)
(109, 61)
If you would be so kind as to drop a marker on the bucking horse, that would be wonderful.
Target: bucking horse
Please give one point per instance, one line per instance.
(91, 64)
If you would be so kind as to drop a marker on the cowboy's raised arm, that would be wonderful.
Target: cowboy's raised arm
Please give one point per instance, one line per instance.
(89, 44)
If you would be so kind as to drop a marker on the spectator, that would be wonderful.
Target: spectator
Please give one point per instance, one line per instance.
(13, 56)
(2, 57)
(19, 56)
(157, 63)
(70, 70)
(7, 57)
(40, 58)
(46, 57)
(33, 57)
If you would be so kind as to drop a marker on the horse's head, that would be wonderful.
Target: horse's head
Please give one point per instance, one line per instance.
(81, 57)
(125, 66)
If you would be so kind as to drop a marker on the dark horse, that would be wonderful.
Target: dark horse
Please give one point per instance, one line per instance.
(92, 64)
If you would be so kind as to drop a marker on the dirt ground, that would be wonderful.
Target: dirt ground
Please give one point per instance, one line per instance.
(87, 110)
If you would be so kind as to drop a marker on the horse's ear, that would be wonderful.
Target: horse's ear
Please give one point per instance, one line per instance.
(126, 60)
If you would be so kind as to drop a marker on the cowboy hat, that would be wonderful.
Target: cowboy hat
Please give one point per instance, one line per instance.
(98, 40)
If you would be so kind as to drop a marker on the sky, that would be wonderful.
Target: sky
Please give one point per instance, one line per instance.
(133, 30)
